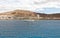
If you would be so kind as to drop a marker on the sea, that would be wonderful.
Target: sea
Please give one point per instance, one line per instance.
(30, 29)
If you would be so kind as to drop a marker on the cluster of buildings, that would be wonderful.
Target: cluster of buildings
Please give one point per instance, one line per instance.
(6, 16)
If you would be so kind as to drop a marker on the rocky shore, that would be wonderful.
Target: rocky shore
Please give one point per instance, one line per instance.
(28, 15)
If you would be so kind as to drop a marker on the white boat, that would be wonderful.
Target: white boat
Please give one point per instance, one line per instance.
(28, 20)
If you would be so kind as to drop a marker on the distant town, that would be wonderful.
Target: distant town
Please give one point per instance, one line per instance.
(28, 15)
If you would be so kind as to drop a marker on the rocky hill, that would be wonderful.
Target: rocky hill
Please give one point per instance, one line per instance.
(22, 13)
(18, 14)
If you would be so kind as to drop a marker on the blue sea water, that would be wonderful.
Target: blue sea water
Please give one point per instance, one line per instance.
(29, 29)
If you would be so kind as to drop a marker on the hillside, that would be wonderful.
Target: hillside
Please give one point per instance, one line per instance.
(25, 14)
(19, 14)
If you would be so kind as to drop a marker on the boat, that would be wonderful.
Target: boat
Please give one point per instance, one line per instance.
(28, 20)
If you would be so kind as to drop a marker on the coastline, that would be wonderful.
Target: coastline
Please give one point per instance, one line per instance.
(28, 15)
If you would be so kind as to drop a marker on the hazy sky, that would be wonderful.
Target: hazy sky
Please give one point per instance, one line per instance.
(43, 6)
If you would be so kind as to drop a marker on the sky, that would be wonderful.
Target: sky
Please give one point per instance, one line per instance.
(41, 6)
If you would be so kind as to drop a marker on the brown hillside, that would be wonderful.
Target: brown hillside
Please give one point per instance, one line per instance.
(21, 13)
